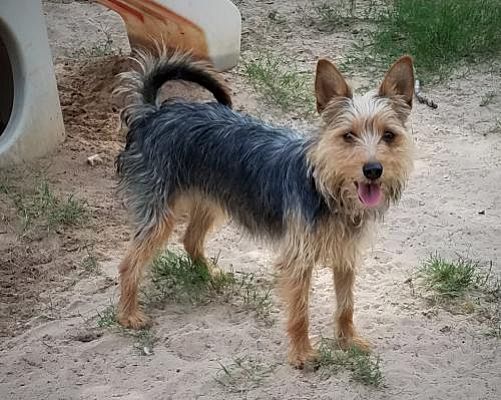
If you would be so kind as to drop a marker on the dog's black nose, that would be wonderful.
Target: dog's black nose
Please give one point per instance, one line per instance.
(373, 170)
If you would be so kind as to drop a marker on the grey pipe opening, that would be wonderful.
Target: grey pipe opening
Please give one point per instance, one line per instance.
(6, 86)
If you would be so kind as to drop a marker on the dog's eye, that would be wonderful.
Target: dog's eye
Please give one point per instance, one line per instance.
(388, 137)
(349, 137)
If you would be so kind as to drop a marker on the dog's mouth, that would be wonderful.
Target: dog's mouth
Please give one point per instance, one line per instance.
(369, 194)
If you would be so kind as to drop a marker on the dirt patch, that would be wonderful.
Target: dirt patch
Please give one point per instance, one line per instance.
(89, 108)
(35, 263)
(27, 271)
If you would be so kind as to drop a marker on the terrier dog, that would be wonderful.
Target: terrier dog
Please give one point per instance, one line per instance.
(315, 198)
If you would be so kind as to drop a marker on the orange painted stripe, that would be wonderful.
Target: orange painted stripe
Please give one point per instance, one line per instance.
(170, 13)
(161, 12)
(120, 7)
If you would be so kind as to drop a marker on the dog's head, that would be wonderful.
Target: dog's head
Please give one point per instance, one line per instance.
(363, 155)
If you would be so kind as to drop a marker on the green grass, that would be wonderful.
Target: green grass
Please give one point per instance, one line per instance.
(364, 367)
(107, 317)
(254, 295)
(462, 286)
(281, 84)
(5, 187)
(456, 278)
(175, 277)
(242, 374)
(89, 263)
(48, 209)
(144, 339)
(440, 34)
(450, 278)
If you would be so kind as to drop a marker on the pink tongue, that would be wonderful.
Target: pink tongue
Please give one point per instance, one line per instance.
(369, 194)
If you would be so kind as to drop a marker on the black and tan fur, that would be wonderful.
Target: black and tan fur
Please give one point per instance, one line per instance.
(313, 198)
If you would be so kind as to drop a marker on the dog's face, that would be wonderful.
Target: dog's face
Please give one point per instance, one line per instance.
(364, 153)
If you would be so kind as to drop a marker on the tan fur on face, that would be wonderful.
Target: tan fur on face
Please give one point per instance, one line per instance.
(338, 164)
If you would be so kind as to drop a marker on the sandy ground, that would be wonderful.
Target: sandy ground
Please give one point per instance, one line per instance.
(50, 346)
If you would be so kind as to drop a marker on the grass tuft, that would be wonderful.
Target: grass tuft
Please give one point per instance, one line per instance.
(242, 375)
(144, 339)
(5, 187)
(450, 278)
(90, 264)
(254, 296)
(289, 89)
(364, 367)
(439, 34)
(107, 317)
(463, 286)
(49, 209)
(175, 276)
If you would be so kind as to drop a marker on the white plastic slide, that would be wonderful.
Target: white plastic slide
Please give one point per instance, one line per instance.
(209, 28)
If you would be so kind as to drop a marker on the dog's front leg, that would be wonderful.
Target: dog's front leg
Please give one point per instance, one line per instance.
(344, 282)
(295, 281)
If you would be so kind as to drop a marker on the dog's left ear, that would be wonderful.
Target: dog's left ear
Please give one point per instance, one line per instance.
(329, 83)
(399, 80)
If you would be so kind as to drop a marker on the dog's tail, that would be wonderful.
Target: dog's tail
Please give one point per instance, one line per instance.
(140, 87)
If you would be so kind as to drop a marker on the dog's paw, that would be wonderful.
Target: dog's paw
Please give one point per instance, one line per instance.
(214, 270)
(354, 342)
(302, 359)
(135, 320)
(211, 266)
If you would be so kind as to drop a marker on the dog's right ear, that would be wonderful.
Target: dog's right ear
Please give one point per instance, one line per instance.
(329, 83)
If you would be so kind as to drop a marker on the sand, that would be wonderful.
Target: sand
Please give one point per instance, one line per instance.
(51, 347)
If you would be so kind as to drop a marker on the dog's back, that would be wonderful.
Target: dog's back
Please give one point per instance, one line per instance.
(257, 173)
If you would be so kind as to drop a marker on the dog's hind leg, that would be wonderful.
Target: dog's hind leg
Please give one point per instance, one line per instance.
(143, 248)
(202, 217)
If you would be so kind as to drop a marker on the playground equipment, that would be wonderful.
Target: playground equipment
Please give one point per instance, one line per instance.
(31, 123)
(209, 28)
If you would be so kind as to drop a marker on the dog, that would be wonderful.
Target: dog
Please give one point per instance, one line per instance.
(314, 198)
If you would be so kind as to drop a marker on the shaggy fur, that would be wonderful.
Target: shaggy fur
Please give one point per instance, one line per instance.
(314, 198)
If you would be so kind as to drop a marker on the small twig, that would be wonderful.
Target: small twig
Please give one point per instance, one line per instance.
(421, 99)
